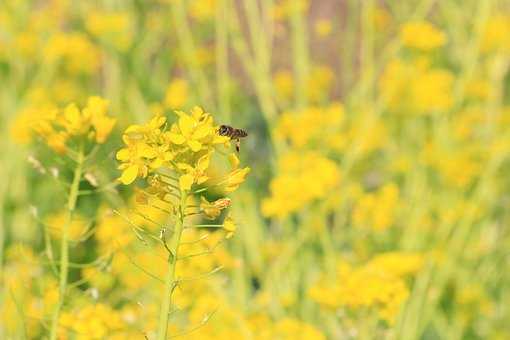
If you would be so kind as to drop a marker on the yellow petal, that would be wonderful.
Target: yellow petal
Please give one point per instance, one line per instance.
(129, 175)
(201, 131)
(186, 124)
(202, 179)
(123, 154)
(203, 162)
(147, 152)
(157, 121)
(194, 145)
(229, 226)
(176, 138)
(234, 161)
(96, 106)
(197, 112)
(185, 182)
(72, 113)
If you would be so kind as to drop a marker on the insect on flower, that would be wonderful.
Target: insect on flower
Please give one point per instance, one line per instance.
(233, 133)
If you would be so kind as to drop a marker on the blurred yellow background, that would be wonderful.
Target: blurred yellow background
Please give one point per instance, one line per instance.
(375, 202)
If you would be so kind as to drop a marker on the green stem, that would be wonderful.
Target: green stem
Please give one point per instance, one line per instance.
(64, 246)
(300, 54)
(170, 280)
(222, 78)
(189, 50)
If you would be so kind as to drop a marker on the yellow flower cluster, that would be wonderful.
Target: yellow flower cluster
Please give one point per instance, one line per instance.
(71, 50)
(24, 285)
(113, 28)
(421, 35)
(377, 210)
(496, 36)
(202, 10)
(458, 167)
(302, 178)
(416, 87)
(379, 284)
(59, 126)
(313, 126)
(229, 323)
(176, 94)
(97, 321)
(184, 149)
(319, 83)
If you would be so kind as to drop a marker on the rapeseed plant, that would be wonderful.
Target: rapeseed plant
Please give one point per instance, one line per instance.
(174, 160)
(74, 133)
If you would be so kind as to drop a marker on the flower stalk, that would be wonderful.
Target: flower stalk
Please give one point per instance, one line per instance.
(64, 246)
(170, 281)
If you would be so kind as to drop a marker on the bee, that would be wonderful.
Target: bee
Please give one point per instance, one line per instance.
(233, 133)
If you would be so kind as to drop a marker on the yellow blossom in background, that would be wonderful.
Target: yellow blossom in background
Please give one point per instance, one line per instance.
(288, 329)
(377, 210)
(58, 126)
(382, 18)
(320, 82)
(496, 36)
(303, 178)
(421, 35)
(416, 87)
(176, 94)
(323, 27)
(111, 27)
(77, 228)
(27, 43)
(377, 285)
(112, 231)
(284, 85)
(202, 10)
(313, 126)
(229, 227)
(398, 263)
(95, 321)
(72, 49)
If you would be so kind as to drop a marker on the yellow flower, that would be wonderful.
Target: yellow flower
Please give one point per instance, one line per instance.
(377, 285)
(311, 126)
(320, 82)
(202, 10)
(236, 175)
(229, 226)
(284, 85)
(421, 35)
(323, 28)
(72, 49)
(496, 36)
(77, 228)
(185, 182)
(182, 153)
(58, 126)
(416, 87)
(176, 94)
(103, 125)
(377, 210)
(303, 177)
(113, 28)
(213, 209)
(194, 130)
